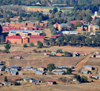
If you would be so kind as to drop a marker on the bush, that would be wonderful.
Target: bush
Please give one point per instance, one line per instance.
(16, 83)
(35, 51)
(25, 45)
(44, 51)
(40, 44)
(39, 51)
(31, 44)
(5, 79)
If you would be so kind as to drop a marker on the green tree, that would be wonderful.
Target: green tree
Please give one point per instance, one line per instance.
(88, 18)
(20, 19)
(50, 67)
(55, 10)
(47, 43)
(7, 47)
(25, 45)
(39, 44)
(98, 23)
(50, 11)
(0, 29)
(5, 79)
(31, 44)
(16, 83)
(52, 41)
(78, 24)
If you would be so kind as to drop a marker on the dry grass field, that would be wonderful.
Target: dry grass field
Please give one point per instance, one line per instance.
(93, 62)
(59, 87)
(38, 60)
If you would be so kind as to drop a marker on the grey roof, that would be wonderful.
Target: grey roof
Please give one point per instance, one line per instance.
(88, 66)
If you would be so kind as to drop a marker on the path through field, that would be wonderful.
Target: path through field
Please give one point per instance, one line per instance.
(80, 64)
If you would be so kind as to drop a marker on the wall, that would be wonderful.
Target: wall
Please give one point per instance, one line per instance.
(34, 40)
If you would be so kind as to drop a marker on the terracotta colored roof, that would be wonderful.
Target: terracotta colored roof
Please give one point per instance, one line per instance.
(78, 20)
(36, 36)
(51, 81)
(26, 38)
(58, 35)
(14, 37)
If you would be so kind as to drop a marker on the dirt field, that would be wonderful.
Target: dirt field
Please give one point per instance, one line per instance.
(38, 60)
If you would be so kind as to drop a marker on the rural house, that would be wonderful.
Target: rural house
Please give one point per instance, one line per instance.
(88, 67)
(51, 82)
(39, 72)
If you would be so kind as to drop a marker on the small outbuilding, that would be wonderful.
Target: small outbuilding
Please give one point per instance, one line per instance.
(84, 71)
(51, 82)
(39, 72)
(88, 67)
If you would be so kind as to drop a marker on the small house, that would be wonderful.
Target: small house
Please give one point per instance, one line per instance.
(53, 52)
(8, 70)
(1, 84)
(14, 72)
(26, 79)
(98, 56)
(41, 68)
(93, 55)
(84, 71)
(58, 54)
(61, 67)
(1, 62)
(7, 83)
(33, 80)
(17, 68)
(39, 72)
(18, 57)
(51, 82)
(75, 54)
(34, 69)
(88, 67)
(28, 68)
(58, 72)
(1, 68)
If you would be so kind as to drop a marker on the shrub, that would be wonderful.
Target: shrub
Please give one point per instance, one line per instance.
(35, 51)
(25, 45)
(5, 79)
(16, 83)
(44, 50)
(39, 51)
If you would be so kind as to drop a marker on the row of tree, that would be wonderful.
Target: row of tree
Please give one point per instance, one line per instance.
(75, 40)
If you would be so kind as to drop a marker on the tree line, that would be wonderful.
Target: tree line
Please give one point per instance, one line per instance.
(75, 40)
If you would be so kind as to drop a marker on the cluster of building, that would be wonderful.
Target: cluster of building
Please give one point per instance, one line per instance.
(87, 70)
(24, 32)
(24, 26)
(88, 28)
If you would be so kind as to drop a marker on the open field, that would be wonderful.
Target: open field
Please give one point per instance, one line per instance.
(19, 47)
(93, 62)
(59, 87)
(38, 60)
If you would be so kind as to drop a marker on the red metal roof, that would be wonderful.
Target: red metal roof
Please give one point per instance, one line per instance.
(58, 35)
(36, 36)
(78, 20)
(26, 38)
(51, 81)
(14, 37)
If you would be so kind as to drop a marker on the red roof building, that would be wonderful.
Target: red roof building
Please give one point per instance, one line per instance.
(35, 38)
(14, 39)
(55, 36)
(77, 20)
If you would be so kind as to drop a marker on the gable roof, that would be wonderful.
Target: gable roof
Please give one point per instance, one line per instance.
(58, 35)
(36, 36)
(14, 37)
